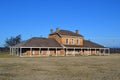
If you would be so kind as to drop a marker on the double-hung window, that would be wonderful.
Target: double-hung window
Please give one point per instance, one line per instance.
(67, 41)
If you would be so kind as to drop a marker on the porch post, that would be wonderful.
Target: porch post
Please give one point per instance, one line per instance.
(66, 52)
(82, 52)
(73, 53)
(17, 52)
(108, 51)
(104, 51)
(90, 51)
(20, 51)
(48, 52)
(95, 51)
(30, 51)
(99, 51)
(56, 52)
(10, 50)
(39, 51)
(87, 51)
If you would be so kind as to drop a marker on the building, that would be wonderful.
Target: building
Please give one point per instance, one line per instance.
(58, 43)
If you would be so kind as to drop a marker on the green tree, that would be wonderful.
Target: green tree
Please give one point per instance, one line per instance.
(12, 41)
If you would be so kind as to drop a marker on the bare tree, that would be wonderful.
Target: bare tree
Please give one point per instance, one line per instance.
(12, 41)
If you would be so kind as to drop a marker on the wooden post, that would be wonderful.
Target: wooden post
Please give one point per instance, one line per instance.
(56, 52)
(48, 52)
(39, 51)
(66, 52)
(90, 51)
(99, 51)
(20, 52)
(108, 51)
(10, 50)
(30, 51)
(17, 52)
(74, 52)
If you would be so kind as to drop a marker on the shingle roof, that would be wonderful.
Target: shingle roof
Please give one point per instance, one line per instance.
(66, 32)
(87, 44)
(39, 42)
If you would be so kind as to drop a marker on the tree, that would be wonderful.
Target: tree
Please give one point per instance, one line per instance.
(12, 41)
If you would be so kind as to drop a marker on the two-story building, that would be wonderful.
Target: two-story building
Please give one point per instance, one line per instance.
(58, 43)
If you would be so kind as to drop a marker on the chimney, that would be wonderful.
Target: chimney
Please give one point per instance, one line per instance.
(57, 29)
(77, 32)
(51, 31)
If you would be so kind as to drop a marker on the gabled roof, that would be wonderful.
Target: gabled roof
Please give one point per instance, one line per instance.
(66, 32)
(87, 44)
(39, 42)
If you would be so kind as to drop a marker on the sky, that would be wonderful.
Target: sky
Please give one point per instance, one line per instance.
(96, 20)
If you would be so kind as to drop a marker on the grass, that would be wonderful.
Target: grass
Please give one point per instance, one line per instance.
(61, 68)
(6, 55)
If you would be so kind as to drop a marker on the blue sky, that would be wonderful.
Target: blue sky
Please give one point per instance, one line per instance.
(96, 20)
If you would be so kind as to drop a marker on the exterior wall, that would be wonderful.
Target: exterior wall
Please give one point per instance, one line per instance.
(80, 40)
(35, 51)
(62, 40)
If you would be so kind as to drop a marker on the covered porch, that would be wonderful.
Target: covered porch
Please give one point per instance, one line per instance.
(57, 51)
(36, 51)
(86, 51)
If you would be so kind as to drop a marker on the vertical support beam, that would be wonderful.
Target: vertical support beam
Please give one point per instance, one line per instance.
(48, 53)
(17, 52)
(95, 51)
(20, 52)
(104, 51)
(30, 51)
(39, 51)
(99, 51)
(10, 50)
(56, 52)
(87, 51)
(90, 51)
(82, 51)
(73, 53)
(66, 51)
(108, 51)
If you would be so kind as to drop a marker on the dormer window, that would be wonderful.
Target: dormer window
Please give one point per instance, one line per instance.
(67, 41)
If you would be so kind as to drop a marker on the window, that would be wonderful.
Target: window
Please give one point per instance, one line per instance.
(78, 42)
(67, 41)
(72, 41)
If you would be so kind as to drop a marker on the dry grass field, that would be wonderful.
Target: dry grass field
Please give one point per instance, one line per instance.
(61, 68)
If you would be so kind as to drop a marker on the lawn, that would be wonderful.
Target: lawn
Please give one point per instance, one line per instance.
(61, 68)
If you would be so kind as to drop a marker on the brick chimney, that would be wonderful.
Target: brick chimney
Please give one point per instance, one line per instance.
(76, 31)
(51, 31)
(57, 29)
